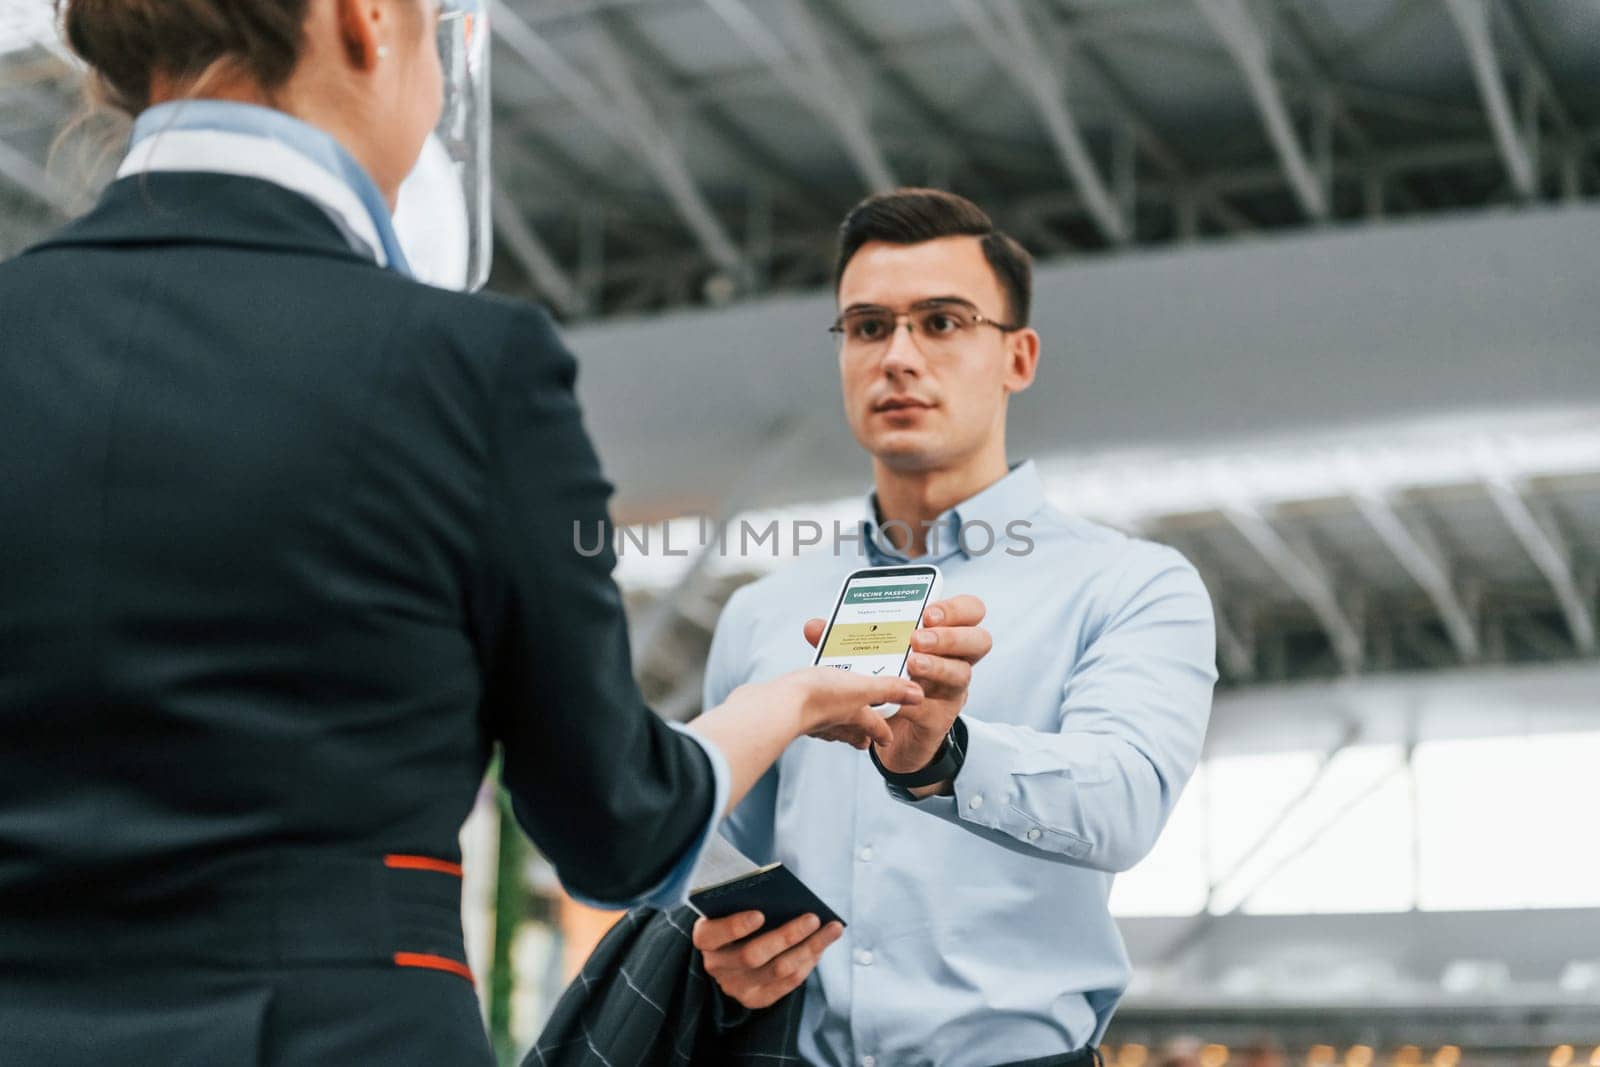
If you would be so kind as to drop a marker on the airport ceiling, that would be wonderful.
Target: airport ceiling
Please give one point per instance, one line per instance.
(660, 153)
(1322, 566)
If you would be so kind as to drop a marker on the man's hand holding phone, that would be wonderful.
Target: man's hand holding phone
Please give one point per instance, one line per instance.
(758, 971)
(943, 652)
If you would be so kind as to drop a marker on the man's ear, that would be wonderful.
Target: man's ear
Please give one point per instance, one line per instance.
(1022, 359)
(359, 22)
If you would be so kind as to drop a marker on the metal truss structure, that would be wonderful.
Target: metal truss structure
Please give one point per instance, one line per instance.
(1463, 550)
(660, 153)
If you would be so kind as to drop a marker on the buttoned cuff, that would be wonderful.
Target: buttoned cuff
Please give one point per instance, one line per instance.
(986, 797)
(673, 890)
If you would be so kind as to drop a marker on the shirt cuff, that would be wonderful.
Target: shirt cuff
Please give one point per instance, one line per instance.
(673, 890)
(986, 798)
(984, 786)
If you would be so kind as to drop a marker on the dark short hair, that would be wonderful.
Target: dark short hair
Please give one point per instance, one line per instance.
(912, 216)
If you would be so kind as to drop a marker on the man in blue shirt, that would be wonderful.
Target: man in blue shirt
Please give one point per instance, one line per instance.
(979, 932)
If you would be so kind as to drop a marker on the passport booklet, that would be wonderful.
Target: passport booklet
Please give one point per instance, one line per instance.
(728, 882)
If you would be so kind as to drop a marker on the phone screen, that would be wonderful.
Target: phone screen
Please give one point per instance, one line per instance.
(870, 632)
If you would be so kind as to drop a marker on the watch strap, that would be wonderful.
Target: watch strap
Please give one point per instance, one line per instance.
(944, 766)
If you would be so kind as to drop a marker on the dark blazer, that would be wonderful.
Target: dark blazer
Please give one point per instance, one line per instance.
(643, 998)
(286, 546)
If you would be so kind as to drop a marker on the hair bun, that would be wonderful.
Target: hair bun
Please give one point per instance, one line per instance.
(128, 44)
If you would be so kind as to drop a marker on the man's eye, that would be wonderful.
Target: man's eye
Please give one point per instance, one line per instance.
(867, 329)
(941, 323)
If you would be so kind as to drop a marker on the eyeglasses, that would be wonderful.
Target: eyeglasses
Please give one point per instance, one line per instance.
(935, 325)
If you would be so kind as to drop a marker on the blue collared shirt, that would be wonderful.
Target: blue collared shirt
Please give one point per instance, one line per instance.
(978, 925)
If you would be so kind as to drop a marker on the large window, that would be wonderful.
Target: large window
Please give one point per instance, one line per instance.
(1466, 824)
(1509, 822)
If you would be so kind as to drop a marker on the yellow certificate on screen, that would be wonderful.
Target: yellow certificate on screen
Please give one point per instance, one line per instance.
(868, 639)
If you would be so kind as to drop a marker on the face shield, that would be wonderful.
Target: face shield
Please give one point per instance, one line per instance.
(443, 216)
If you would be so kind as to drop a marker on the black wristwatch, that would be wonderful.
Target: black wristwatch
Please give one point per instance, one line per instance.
(946, 764)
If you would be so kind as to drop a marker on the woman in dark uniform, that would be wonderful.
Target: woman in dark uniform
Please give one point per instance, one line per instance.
(286, 548)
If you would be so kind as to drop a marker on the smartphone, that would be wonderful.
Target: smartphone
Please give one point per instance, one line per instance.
(877, 610)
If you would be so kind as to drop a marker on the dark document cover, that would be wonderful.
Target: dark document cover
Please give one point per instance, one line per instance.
(772, 890)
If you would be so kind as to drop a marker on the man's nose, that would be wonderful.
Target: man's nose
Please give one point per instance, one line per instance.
(903, 356)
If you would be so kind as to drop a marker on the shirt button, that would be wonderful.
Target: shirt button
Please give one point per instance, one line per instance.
(1034, 835)
(866, 854)
(869, 1061)
(976, 801)
(864, 957)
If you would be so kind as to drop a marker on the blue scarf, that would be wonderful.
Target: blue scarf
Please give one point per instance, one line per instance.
(320, 148)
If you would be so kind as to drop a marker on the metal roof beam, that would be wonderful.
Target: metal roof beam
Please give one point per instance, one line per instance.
(1549, 550)
(1250, 179)
(661, 153)
(1472, 21)
(534, 256)
(1538, 66)
(1250, 49)
(1237, 649)
(1421, 556)
(1538, 70)
(1336, 98)
(1295, 25)
(1155, 146)
(624, 114)
(1385, 30)
(552, 12)
(807, 72)
(1007, 35)
(810, 251)
(532, 153)
(1159, 150)
(1305, 575)
(755, 157)
(935, 129)
(748, 80)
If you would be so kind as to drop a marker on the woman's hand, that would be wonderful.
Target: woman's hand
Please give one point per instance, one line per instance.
(760, 719)
(944, 650)
(835, 704)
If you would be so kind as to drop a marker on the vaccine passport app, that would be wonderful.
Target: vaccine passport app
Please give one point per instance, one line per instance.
(871, 631)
